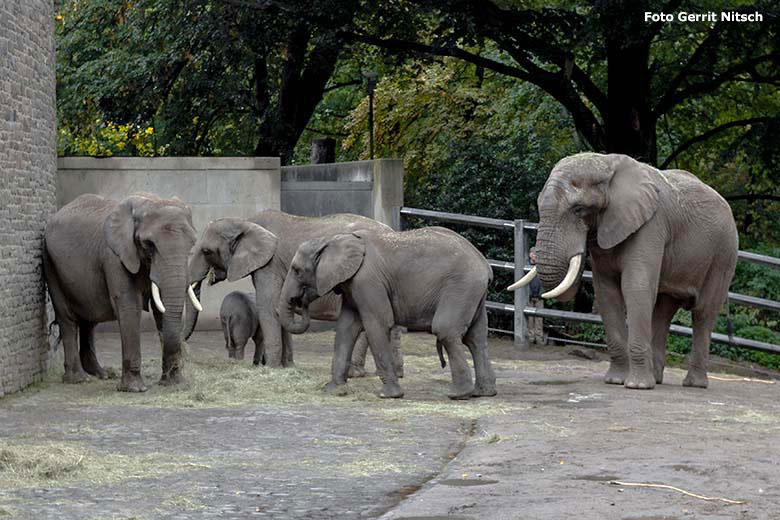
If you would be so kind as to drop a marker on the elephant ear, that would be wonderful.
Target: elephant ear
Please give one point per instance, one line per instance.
(632, 200)
(252, 247)
(338, 261)
(119, 230)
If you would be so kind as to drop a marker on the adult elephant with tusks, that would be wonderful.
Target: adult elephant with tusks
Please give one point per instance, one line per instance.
(658, 241)
(431, 280)
(104, 260)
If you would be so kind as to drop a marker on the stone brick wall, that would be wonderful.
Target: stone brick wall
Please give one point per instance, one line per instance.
(27, 185)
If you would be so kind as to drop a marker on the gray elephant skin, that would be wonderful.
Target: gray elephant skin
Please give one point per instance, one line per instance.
(431, 280)
(238, 318)
(101, 259)
(263, 247)
(658, 241)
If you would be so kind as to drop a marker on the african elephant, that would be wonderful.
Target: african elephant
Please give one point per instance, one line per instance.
(658, 241)
(103, 261)
(429, 279)
(262, 247)
(238, 317)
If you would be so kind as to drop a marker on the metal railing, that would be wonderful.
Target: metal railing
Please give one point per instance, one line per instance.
(521, 296)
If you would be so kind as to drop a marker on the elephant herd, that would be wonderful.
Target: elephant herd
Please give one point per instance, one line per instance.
(657, 241)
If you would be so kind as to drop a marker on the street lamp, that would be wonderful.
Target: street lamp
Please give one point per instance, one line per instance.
(370, 86)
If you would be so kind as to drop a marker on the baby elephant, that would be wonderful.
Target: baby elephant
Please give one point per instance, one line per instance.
(239, 323)
(430, 280)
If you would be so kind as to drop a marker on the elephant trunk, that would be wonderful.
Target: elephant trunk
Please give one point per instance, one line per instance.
(287, 317)
(555, 251)
(173, 290)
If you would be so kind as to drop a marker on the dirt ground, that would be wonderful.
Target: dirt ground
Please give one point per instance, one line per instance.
(238, 441)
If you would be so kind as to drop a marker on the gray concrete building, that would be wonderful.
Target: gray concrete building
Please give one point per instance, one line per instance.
(27, 185)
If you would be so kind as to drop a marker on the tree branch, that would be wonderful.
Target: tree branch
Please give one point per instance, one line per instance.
(337, 86)
(709, 133)
(554, 84)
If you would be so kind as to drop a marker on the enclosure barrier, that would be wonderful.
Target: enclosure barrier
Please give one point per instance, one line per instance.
(521, 296)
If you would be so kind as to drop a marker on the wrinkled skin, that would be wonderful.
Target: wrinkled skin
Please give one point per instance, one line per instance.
(263, 247)
(658, 241)
(239, 321)
(430, 280)
(100, 259)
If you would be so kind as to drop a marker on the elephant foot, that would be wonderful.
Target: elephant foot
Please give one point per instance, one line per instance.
(696, 379)
(289, 364)
(484, 390)
(131, 382)
(461, 392)
(659, 375)
(171, 377)
(74, 377)
(640, 379)
(356, 371)
(391, 391)
(339, 390)
(616, 375)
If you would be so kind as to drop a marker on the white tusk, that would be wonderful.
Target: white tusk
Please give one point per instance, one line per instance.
(194, 299)
(568, 280)
(156, 298)
(525, 280)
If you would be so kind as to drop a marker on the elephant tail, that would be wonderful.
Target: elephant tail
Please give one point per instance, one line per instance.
(59, 335)
(229, 334)
(440, 351)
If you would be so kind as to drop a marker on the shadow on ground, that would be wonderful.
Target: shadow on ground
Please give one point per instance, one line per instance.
(238, 441)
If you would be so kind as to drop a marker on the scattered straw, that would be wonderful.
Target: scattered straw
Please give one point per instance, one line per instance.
(743, 380)
(665, 486)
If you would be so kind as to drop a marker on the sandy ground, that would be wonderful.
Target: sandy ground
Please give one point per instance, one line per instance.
(238, 441)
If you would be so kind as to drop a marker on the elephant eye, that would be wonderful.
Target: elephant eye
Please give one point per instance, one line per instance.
(580, 210)
(148, 245)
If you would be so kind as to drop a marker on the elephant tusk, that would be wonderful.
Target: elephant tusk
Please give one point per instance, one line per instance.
(525, 280)
(194, 299)
(156, 297)
(568, 280)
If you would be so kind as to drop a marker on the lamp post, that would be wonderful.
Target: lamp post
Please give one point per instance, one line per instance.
(370, 86)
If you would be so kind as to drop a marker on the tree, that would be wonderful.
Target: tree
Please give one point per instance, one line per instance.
(616, 74)
(209, 76)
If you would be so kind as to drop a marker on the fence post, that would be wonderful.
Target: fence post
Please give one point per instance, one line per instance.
(521, 295)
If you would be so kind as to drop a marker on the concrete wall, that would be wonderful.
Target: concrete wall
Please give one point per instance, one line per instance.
(370, 188)
(27, 189)
(215, 187)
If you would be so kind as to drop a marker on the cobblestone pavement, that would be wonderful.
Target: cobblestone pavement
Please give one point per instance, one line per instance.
(546, 447)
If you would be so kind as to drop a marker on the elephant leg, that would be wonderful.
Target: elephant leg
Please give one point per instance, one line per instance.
(74, 372)
(639, 309)
(259, 357)
(287, 350)
(348, 327)
(378, 336)
(267, 291)
(398, 357)
(87, 353)
(613, 313)
(703, 323)
(128, 313)
(357, 367)
(476, 341)
(665, 308)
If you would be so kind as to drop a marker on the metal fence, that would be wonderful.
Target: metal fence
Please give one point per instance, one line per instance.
(522, 311)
